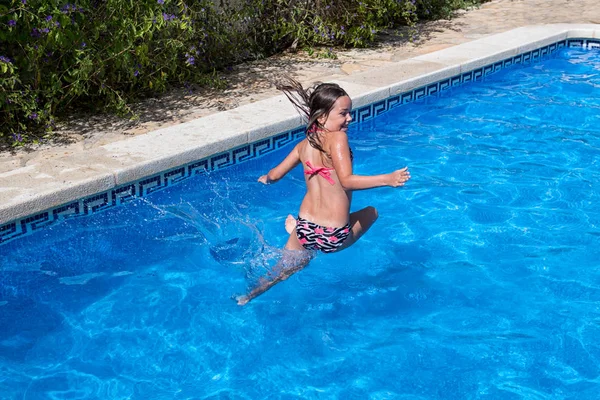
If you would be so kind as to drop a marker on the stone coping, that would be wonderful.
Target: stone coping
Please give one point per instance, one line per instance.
(25, 191)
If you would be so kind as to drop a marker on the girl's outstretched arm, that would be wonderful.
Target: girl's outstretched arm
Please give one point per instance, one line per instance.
(291, 161)
(341, 159)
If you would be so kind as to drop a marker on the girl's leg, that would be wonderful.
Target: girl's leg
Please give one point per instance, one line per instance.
(290, 223)
(294, 258)
(360, 222)
(293, 243)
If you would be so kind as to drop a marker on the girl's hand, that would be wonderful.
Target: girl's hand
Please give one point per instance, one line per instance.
(399, 177)
(264, 179)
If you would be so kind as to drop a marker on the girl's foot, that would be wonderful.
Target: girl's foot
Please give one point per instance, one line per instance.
(290, 223)
(242, 300)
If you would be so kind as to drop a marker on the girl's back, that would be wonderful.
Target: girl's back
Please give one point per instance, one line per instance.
(326, 202)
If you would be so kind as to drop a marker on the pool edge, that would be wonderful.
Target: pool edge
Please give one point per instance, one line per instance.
(118, 172)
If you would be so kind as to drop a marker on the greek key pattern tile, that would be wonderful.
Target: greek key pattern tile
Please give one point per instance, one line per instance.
(124, 193)
(584, 43)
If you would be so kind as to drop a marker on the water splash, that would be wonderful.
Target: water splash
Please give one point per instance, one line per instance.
(232, 238)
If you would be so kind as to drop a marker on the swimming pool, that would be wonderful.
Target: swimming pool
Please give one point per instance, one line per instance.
(478, 281)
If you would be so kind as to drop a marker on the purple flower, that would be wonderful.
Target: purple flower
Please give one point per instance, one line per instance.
(33, 116)
(160, 1)
(83, 45)
(5, 59)
(38, 32)
(24, 1)
(49, 18)
(136, 73)
(17, 137)
(190, 60)
(12, 22)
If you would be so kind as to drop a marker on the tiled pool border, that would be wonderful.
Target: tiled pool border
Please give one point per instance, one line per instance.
(126, 192)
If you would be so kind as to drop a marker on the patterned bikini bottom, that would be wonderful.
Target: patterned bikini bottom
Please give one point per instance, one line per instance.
(316, 237)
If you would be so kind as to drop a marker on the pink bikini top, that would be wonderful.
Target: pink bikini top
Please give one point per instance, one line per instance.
(321, 171)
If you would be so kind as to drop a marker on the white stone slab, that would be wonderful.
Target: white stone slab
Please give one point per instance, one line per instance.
(32, 190)
(469, 56)
(526, 38)
(363, 94)
(401, 76)
(425, 79)
(270, 117)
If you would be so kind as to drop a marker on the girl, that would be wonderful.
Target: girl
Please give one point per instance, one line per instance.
(324, 221)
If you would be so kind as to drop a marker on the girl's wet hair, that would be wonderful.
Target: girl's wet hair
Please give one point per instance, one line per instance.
(313, 103)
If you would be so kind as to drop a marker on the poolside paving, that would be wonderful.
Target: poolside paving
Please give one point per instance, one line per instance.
(96, 149)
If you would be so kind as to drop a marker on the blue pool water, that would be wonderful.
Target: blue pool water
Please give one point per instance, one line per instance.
(481, 279)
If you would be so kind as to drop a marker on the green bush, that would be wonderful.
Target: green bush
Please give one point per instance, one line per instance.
(99, 53)
(278, 24)
(57, 56)
(436, 9)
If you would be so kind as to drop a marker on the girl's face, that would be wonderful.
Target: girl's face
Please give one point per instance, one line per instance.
(339, 117)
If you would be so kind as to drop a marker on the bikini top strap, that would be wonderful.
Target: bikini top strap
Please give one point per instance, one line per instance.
(321, 171)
